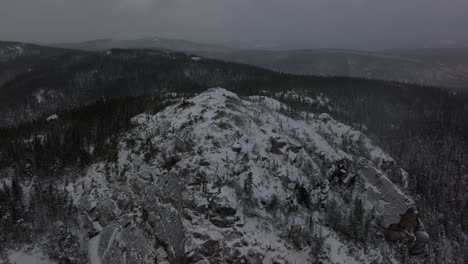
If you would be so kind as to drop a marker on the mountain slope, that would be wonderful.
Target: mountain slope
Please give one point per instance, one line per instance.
(424, 128)
(79, 78)
(219, 179)
(16, 58)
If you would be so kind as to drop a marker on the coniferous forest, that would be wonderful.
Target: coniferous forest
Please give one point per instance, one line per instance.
(70, 111)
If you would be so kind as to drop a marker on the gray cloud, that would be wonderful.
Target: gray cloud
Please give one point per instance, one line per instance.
(366, 24)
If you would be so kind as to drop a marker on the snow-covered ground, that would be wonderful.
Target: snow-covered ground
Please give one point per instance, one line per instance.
(217, 177)
(28, 256)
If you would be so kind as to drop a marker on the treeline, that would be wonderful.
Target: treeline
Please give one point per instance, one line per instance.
(34, 156)
(77, 137)
(74, 79)
(44, 212)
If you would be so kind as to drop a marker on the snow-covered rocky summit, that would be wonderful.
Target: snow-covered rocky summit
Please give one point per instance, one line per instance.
(222, 179)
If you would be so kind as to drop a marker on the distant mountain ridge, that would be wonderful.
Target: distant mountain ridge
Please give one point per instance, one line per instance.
(147, 43)
(437, 67)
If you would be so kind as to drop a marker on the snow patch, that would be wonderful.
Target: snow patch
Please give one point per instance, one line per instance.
(52, 117)
(93, 250)
(40, 96)
(32, 256)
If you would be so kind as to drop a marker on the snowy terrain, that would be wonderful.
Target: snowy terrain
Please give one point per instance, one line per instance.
(27, 256)
(223, 179)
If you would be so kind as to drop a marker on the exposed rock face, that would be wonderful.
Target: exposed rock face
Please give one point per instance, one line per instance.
(277, 145)
(409, 231)
(384, 196)
(252, 190)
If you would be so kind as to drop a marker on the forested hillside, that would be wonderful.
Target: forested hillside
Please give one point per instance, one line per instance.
(437, 67)
(444, 67)
(91, 97)
(16, 58)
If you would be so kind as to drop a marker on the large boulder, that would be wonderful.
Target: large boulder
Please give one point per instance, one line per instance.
(223, 208)
(384, 197)
(277, 145)
(209, 248)
(106, 211)
(224, 203)
(223, 222)
(409, 231)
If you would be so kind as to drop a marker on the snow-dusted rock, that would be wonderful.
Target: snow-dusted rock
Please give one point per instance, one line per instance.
(384, 196)
(225, 203)
(277, 145)
(236, 180)
(52, 117)
(236, 147)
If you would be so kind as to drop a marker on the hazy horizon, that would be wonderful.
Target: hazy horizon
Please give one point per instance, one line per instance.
(274, 24)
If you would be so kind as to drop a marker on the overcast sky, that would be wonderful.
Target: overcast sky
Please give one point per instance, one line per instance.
(362, 24)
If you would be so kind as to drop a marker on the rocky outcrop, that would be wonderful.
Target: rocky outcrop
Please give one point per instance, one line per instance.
(383, 196)
(257, 189)
(409, 231)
